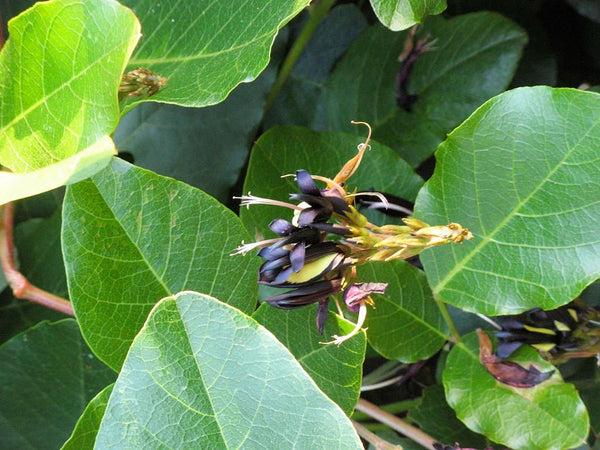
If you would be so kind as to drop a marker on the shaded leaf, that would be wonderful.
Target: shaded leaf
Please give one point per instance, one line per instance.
(521, 174)
(197, 146)
(202, 373)
(550, 415)
(59, 73)
(47, 376)
(283, 150)
(301, 99)
(200, 48)
(86, 429)
(587, 8)
(337, 370)
(148, 236)
(474, 58)
(437, 419)
(15, 186)
(402, 14)
(405, 323)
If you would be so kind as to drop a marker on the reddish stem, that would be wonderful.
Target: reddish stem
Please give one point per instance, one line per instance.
(21, 287)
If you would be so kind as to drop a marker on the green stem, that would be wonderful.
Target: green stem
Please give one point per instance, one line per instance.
(446, 315)
(317, 12)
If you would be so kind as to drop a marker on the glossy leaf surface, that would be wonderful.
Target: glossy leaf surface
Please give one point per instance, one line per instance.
(151, 236)
(474, 58)
(405, 323)
(202, 50)
(200, 373)
(549, 415)
(337, 370)
(402, 14)
(59, 74)
(521, 174)
(48, 375)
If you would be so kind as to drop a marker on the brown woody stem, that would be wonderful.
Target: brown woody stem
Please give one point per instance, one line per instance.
(373, 439)
(21, 287)
(396, 423)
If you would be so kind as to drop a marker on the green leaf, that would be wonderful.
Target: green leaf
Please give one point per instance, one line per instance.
(437, 419)
(192, 144)
(450, 82)
(337, 370)
(59, 74)
(283, 150)
(402, 14)
(549, 415)
(200, 373)
(131, 237)
(209, 46)
(47, 376)
(15, 186)
(405, 323)
(522, 174)
(86, 429)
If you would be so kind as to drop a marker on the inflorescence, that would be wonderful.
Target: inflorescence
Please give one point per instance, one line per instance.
(316, 252)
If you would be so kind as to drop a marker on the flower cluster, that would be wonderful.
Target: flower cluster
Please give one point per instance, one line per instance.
(316, 252)
(570, 331)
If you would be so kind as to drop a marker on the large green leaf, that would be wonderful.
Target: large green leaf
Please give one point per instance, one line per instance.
(475, 57)
(402, 14)
(549, 415)
(207, 47)
(405, 323)
(337, 370)
(522, 174)
(283, 150)
(59, 74)
(200, 373)
(47, 377)
(195, 145)
(15, 186)
(131, 237)
(85, 431)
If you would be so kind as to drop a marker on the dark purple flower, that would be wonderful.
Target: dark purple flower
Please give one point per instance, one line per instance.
(356, 293)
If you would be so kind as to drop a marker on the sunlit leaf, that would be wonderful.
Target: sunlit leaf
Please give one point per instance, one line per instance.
(549, 415)
(15, 186)
(149, 236)
(47, 377)
(402, 14)
(202, 49)
(59, 74)
(200, 373)
(522, 174)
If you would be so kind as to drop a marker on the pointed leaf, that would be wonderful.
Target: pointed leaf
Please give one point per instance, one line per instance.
(59, 74)
(450, 81)
(405, 323)
(202, 373)
(337, 370)
(402, 14)
(86, 429)
(209, 46)
(549, 415)
(47, 376)
(283, 150)
(15, 186)
(130, 237)
(521, 174)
